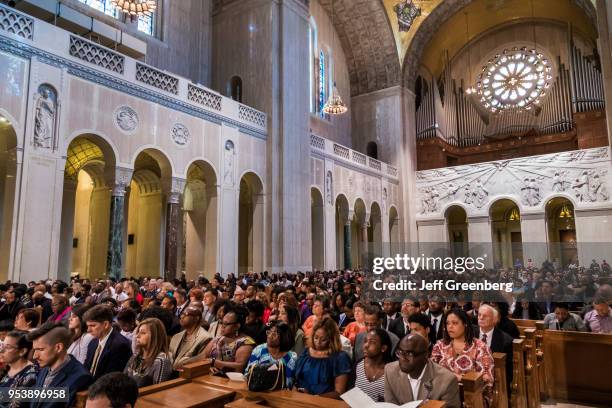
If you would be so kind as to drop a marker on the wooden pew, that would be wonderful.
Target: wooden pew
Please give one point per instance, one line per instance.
(531, 369)
(189, 395)
(518, 397)
(471, 387)
(81, 398)
(540, 357)
(194, 370)
(500, 389)
(244, 403)
(577, 366)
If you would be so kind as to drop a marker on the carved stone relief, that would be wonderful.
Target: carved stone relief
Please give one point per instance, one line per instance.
(45, 120)
(126, 119)
(582, 174)
(180, 134)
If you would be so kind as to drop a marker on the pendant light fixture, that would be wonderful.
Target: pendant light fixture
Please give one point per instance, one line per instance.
(334, 105)
(135, 7)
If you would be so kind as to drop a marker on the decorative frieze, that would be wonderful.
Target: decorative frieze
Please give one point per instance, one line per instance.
(156, 78)
(97, 55)
(16, 23)
(252, 115)
(204, 97)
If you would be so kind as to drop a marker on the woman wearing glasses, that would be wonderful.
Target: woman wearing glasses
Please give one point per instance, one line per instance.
(461, 352)
(276, 351)
(369, 373)
(323, 368)
(14, 354)
(230, 351)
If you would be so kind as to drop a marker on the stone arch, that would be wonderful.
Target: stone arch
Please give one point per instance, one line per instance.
(251, 223)
(89, 172)
(372, 59)
(375, 229)
(317, 213)
(200, 221)
(505, 218)
(8, 185)
(455, 216)
(561, 232)
(343, 231)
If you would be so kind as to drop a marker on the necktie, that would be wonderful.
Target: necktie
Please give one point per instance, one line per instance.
(434, 324)
(484, 338)
(94, 364)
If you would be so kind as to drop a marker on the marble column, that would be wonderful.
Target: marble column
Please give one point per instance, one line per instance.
(114, 265)
(173, 212)
(364, 242)
(114, 260)
(347, 245)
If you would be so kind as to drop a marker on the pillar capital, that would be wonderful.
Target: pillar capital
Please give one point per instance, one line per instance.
(119, 179)
(174, 190)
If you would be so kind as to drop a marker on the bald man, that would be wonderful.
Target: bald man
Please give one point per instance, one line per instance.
(415, 377)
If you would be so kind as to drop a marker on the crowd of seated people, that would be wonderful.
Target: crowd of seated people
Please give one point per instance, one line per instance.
(321, 327)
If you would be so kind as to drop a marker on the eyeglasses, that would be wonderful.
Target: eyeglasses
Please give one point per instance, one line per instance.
(6, 347)
(408, 354)
(271, 333)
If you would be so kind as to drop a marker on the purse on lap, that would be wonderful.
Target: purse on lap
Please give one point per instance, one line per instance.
(266, 377)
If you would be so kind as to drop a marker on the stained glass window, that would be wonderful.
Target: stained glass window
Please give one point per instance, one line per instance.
(105, 6)
(322, 90)
(145, 23)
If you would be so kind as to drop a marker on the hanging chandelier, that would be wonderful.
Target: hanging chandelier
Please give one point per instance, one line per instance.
(514, 215)
(565, 212)
(135, 7)
(334, 105)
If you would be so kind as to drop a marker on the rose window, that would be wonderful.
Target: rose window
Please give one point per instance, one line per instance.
(516, 79)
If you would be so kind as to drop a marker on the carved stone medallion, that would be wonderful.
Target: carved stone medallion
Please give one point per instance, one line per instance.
(126, 119)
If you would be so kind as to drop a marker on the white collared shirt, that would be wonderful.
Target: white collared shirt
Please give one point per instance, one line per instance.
(489, 336)
(416, 383)
(102, 341)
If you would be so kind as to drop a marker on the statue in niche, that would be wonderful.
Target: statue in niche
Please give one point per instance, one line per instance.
(228, 173)
(384, 200)
(328, 188)
(531, 192)
(560, 182)
(45, 119)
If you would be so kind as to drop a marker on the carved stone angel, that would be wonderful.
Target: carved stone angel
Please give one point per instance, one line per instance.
(44, 121)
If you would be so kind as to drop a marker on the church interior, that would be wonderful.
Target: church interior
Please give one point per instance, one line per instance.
(206, 138)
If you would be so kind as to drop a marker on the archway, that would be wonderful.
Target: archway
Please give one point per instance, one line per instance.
(375, 231)
(146, 214)
(86, 203)
(317, 228)
(250, 224)
(8, 174)
(394, 232)
(200, 221)
(372, 150)
(359, 233)
(235, 86)
(456, 222)
(505, 219)
(561, 229)
(343, 233)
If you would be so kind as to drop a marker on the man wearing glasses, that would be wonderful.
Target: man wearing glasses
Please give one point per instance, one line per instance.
(415, 377)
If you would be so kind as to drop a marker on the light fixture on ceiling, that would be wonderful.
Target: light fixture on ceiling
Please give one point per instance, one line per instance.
(470, 89)
(334, 105)
(565, 212)
(135, 7)
(514, 215)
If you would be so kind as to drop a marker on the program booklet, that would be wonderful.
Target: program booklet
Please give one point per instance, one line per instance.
(359, 399)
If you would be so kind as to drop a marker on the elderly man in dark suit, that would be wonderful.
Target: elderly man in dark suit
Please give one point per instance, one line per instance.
(497, 340)
(373, 320)
(109, 351)
(415, 377)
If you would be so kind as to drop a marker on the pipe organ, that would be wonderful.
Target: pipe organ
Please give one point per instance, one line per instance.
(460, 120)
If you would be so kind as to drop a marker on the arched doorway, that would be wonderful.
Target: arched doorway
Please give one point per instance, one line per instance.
(561, 229)
(200, 221)
(146, 214)
(8, 174)
(394, 232)
(505, 219)
(343, 233)
(86, 206)
(375, 230)
(317, 228)
(456, 222)
(250, 224)
(235, 90)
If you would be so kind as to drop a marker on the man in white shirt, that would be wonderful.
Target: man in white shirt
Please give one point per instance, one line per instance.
(427, 379)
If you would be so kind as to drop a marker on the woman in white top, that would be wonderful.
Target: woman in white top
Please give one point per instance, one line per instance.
(80, 337)
(369, 373)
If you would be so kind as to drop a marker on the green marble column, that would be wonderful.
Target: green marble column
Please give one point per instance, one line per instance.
(172, 238)
(114, 267)
(347, 246)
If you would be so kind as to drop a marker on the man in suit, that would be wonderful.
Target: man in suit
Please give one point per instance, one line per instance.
(401, 325)
(182, 301)
(415, 377)
(58, 368)
(497, 340)
(389, 307)
(373, 321)
(109, 351)
(544, 298)
(436, 316)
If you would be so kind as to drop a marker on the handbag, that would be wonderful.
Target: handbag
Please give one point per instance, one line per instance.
(266, 377)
